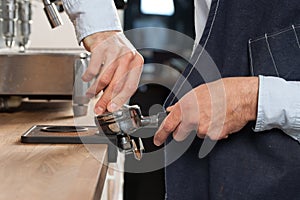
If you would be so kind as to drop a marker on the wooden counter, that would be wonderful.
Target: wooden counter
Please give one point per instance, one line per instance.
(44, 171)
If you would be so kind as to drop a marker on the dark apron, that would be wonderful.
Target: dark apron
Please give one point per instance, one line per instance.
(244, 38)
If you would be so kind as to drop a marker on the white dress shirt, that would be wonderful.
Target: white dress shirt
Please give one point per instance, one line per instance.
(278, 102)
(91, 16)
(279, 106)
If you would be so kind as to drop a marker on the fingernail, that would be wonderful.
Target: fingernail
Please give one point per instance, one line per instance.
(99, 110)
(86, 78)
(83, 78)
(157, 142)
(113, 107)
(175, 136)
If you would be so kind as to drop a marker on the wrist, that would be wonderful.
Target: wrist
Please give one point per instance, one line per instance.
(252, 96)
(92, 40)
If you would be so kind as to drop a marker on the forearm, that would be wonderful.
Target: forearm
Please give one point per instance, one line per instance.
(91, 16)
(279, 106)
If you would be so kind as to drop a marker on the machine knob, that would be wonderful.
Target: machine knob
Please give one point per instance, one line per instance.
(52, 14)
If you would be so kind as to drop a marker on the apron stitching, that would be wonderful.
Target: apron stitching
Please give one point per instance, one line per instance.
(200, 54)
(272, 58)
(297, 39)
(276, 33)
(251, 59)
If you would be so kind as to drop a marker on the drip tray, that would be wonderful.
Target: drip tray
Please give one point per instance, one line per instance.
(45, 134)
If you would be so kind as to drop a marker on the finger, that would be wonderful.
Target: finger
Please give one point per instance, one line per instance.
(103, 80)
(120, 77)
(96, 62)
(202, 136)
(129, 87)
(107, 73)
(182, 131)
(171, 122)
(186, 126)
(218, 132)
(170, 108)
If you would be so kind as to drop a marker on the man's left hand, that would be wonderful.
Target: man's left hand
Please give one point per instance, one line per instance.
(215, 110)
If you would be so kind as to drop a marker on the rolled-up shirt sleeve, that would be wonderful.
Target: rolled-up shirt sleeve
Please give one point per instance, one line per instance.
(279, 106)
(91, 16)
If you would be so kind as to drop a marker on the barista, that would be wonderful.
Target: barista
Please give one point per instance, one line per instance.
(255, 46)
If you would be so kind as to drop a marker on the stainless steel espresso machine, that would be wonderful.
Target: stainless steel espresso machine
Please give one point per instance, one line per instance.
(37, 73)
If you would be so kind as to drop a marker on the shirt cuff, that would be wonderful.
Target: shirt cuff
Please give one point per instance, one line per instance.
(91, 16)
(278, 106)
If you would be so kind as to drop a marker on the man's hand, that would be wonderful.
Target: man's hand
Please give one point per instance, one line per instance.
(117, 66)
(215, 110)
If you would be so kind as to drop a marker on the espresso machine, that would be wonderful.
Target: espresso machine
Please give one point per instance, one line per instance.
(37, 73)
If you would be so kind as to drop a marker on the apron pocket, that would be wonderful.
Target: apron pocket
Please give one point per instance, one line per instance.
(276, 54)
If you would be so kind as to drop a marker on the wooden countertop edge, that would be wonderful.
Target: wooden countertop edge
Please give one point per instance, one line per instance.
(101, 180)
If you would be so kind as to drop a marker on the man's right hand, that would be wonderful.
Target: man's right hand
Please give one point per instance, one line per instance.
(117, 66)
